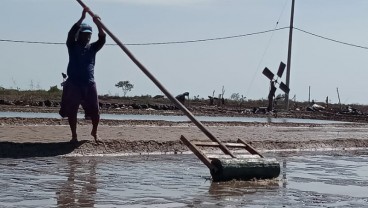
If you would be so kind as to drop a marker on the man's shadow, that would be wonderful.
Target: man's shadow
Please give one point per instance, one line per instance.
(37, 149)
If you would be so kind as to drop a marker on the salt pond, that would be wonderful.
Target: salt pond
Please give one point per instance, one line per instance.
(173, 118)
(333, 179)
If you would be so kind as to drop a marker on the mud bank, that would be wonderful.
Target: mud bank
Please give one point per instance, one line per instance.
(126, 148)
(50, 137)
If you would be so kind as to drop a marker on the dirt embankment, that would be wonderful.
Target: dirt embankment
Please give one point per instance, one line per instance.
(29, 137)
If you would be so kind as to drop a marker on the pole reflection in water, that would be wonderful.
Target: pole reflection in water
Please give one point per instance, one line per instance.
(80, 188)
(284, 173)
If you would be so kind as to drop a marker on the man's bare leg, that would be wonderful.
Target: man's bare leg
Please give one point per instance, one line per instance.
(73, 127)
(95, 122)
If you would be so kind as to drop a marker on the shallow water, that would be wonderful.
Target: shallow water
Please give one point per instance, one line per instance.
(338, 179)
(173, 118)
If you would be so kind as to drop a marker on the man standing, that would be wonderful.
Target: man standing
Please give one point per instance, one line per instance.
(80, 87)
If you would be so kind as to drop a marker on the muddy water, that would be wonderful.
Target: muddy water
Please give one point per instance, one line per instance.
(173, 118)
(338, 179)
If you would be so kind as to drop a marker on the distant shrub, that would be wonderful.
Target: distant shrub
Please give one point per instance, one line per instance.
(54, 89)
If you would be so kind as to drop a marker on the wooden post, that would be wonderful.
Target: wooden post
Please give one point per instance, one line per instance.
(338, 95)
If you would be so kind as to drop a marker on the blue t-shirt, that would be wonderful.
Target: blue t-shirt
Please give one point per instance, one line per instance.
(82, 59)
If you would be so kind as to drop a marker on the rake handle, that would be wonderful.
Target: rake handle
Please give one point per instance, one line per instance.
(158, 84)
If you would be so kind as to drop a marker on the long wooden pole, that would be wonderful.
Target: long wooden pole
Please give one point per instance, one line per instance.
(338, 95)
(159, 85)
(289, 53)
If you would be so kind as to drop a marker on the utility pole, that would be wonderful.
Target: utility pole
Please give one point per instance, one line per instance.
(289, 53)
(338, 95)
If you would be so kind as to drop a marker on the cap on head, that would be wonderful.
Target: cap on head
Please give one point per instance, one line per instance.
(85, 28)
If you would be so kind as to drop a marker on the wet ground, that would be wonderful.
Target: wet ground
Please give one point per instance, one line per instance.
(308, 179)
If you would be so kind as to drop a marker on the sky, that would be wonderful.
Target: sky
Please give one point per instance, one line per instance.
(200, 68)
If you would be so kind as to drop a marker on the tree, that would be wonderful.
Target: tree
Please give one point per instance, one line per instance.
(126, 86)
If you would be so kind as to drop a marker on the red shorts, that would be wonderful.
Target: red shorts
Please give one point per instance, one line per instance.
(74, 95)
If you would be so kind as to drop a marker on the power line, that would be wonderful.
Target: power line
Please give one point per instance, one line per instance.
(31, 42)
(199, 40)
(156, 43)
(210, 39)
(330, 39)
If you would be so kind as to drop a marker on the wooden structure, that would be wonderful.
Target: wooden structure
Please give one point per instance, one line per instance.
(246, 164)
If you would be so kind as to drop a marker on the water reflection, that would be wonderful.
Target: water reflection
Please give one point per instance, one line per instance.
(241, 188)
(284, 171)
(80, 188)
